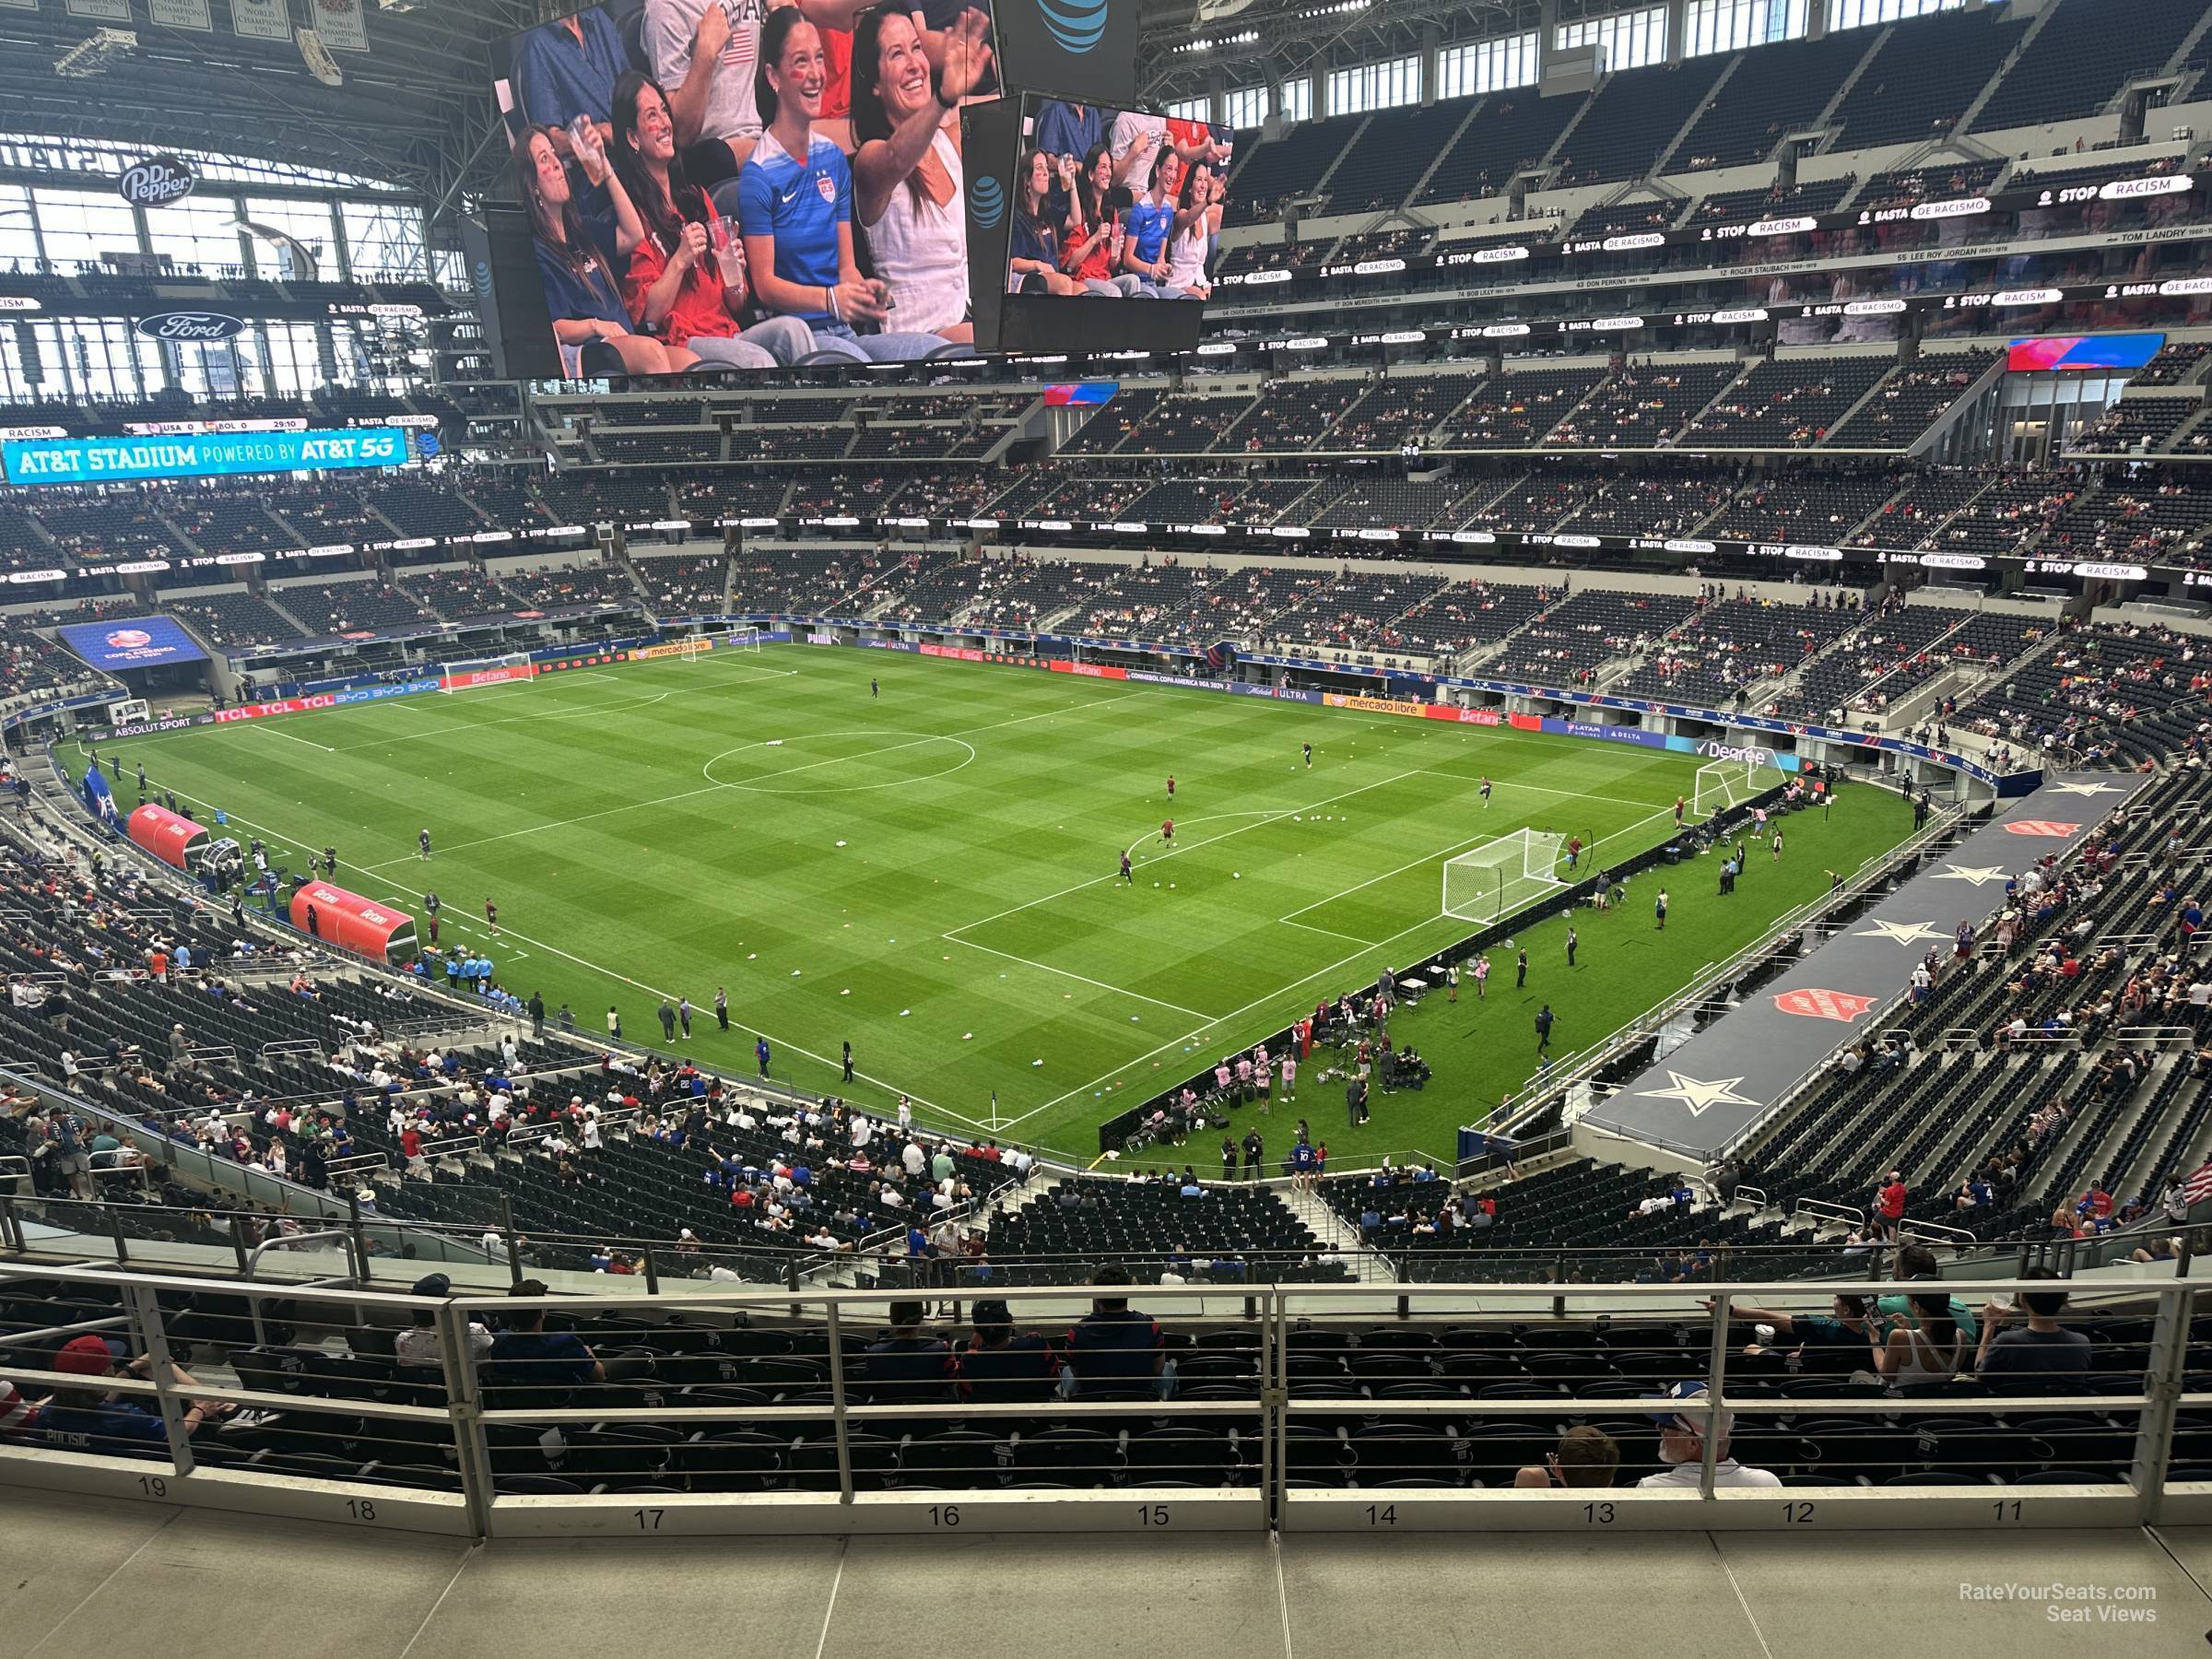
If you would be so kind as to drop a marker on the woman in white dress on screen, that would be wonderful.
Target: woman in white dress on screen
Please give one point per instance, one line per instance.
(907, 176)
(1197, 218)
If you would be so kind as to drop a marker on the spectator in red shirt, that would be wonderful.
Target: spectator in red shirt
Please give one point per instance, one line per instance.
(1890, 1204)
(678, 286)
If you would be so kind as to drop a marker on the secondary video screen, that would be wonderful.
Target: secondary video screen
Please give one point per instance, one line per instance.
(747, 185)
(1116, 204)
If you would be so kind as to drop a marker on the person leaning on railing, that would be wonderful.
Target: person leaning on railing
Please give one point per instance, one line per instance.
(84, 1419)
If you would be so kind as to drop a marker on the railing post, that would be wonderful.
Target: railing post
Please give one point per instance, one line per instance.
(653, 1275)
(356, 1239)
(1275, 1396)
(472, 1455)
(145, 1303)
(2162, 1392)
(837, 1405)
(1716, 1360)
(11, 1224)
(237, 1242)
(122, 1251)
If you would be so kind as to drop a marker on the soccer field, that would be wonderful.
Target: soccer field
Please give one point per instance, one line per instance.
(931, 874)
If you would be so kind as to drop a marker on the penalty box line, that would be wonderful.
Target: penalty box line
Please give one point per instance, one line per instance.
(1278, 994)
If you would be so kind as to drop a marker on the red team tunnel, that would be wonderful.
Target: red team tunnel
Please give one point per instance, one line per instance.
(169, 836)
(347, 919)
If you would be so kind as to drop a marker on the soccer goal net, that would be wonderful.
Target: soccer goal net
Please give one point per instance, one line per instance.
(467, 674)
(1498, 878)
(1722, 785)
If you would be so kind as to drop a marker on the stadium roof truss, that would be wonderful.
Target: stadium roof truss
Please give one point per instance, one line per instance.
(416, 109)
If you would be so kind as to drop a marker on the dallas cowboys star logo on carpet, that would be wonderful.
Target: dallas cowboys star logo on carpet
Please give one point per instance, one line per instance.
(1979, 875)
(1900, 933)
(1698, 1095)
(2086, 789)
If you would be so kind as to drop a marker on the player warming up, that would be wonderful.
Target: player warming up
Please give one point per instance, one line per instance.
(1486, 795)
(422, 844)
(1127, 874)
(1167, 830)
(1170, 786)
(491, 917)
(1308, 749)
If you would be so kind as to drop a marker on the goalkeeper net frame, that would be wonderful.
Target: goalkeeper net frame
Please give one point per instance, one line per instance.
(1502, 876)
(1721, 785)
(469, 674)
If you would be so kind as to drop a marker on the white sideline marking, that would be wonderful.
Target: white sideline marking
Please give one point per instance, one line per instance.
(1079, 979)
(473, 726)
(1349, 939)
(263, 725)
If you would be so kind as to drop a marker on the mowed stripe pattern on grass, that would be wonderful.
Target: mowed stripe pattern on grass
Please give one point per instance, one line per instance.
(676, 827)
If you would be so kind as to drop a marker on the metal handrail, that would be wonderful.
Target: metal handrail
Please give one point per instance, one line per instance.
(1269, 1312)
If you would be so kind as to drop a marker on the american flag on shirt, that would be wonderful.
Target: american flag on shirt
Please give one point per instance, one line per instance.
(744, 44)
(2199, 1187)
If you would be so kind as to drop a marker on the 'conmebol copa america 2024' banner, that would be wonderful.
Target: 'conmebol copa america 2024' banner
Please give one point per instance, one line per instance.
(200, 455)
(131, 642)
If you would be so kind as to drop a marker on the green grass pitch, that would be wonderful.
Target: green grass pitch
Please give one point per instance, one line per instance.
(931, 874)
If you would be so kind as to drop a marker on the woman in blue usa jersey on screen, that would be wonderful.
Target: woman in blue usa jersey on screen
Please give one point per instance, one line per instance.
(794, 207)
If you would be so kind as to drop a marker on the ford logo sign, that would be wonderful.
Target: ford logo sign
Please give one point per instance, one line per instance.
(1077, 25)
(156, 181)
(987, 201)
(189, 325)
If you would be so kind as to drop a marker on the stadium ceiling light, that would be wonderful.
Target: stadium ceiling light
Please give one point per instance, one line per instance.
(94, 52)
(1243, 37)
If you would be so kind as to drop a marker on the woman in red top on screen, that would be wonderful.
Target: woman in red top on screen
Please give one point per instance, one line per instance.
(907, 177)
(685, 284)
(581, 293)
(1090, 242)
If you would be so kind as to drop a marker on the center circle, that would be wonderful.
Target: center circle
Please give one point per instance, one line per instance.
(800, 774)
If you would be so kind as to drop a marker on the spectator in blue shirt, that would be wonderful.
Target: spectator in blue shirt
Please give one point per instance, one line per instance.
(1034, 245)
(1114, 1346)
(999, 1366)
(1069, 130)
(907, 1367)
(88, 1418)
(583, 297)
(530, 1356)
(567, 69)
(1149, 222)
(793, 200)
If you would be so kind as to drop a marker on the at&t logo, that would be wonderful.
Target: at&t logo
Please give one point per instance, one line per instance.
(987, 200)
(1077, 25)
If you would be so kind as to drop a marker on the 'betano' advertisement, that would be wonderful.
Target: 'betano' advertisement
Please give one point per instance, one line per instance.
(198, 456)
(134, 642)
